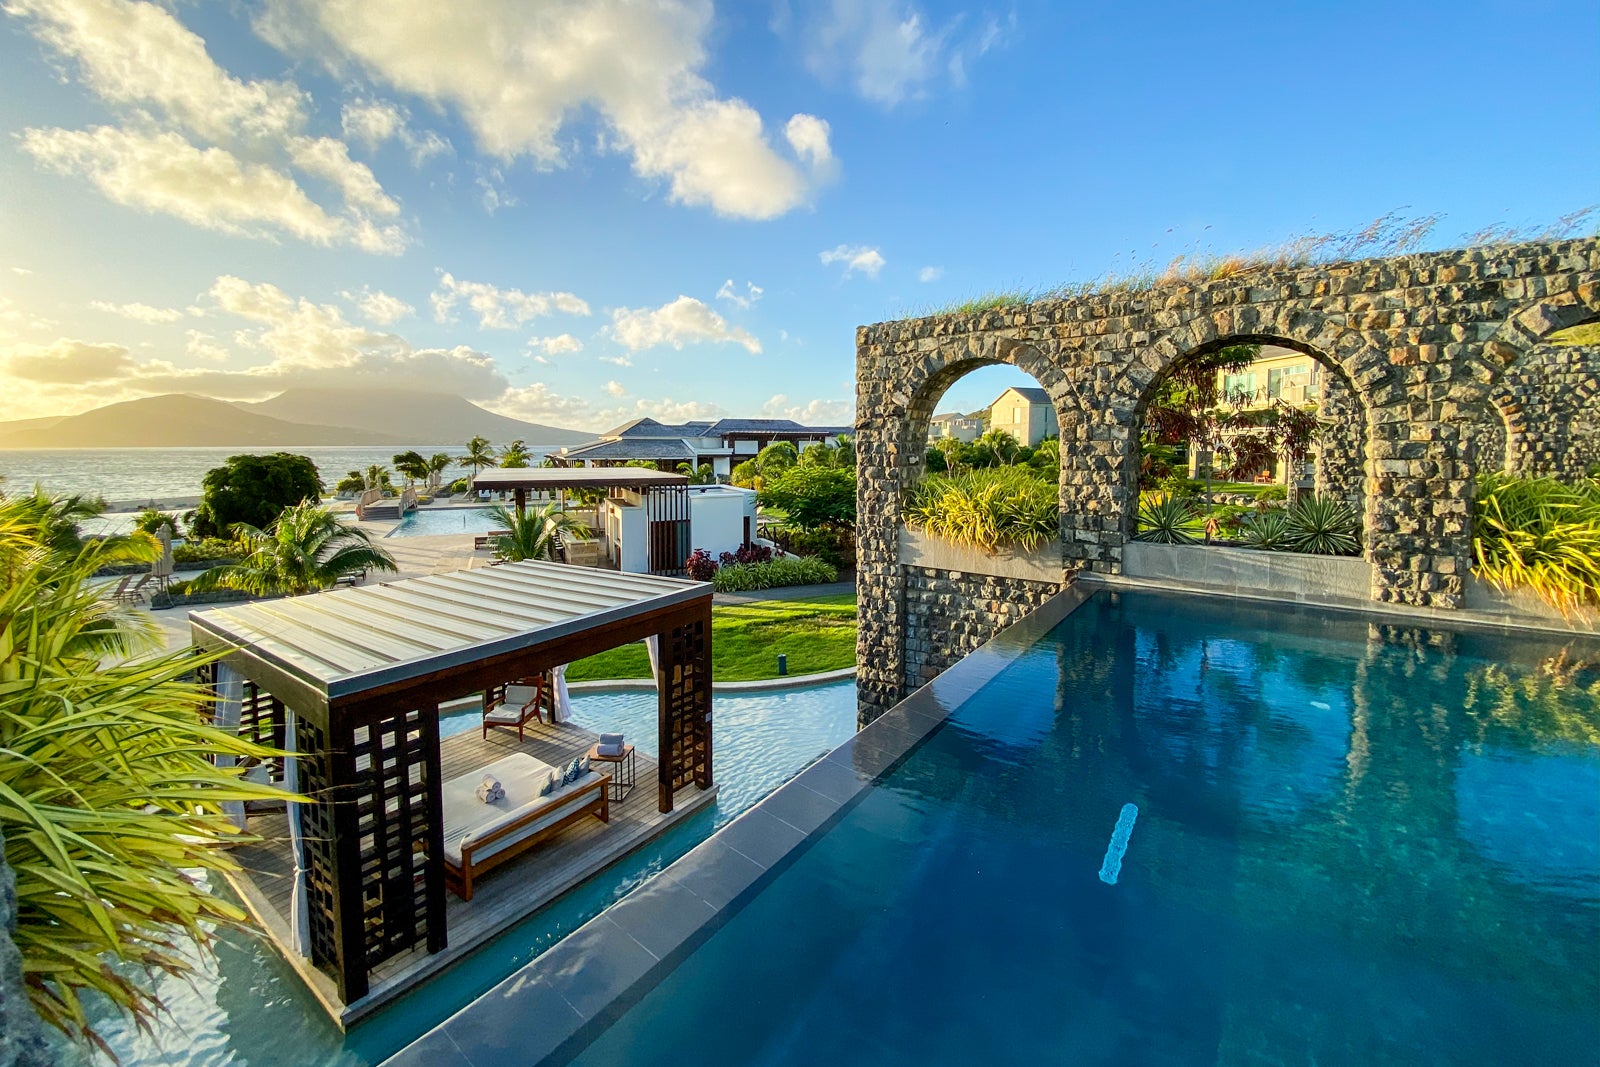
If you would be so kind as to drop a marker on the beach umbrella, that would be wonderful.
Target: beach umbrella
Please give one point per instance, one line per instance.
(162, 567)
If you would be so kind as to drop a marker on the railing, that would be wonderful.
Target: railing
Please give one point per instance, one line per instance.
(369, 496)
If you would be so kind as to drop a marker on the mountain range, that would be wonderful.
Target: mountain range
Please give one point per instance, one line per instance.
(297, 417)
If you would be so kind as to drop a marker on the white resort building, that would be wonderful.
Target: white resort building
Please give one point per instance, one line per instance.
(724, 444)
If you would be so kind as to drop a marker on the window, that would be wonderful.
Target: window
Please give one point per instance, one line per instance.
(1016, 415)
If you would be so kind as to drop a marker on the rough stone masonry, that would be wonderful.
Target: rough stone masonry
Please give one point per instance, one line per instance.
(1440, 356)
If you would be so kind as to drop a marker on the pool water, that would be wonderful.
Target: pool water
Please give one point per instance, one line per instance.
(425, 522)
(248, 1008)
(1355, 843)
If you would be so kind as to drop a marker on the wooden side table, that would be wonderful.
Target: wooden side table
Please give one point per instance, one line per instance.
(627, 768)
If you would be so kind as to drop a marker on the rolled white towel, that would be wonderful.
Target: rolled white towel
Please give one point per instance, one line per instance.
(490, 789)
(610, 745)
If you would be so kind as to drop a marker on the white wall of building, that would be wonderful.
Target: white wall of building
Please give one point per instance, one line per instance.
(625, 531)
(717, 515)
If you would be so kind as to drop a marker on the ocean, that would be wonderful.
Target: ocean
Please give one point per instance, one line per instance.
(133, 477)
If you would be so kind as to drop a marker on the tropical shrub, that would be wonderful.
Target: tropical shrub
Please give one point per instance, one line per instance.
(743, 577)
(460, 485)
(987, 508)
(700, 566)
(308, 548)
(253, 490)
(1267, 530)
(1539, 534)
(835, 546)
(745, 474)
(746, 554)
(812, 496)
(109, 798)
(533, 534)
(209, 550)
(150, 520)
(1324, 525)
(1167, 519)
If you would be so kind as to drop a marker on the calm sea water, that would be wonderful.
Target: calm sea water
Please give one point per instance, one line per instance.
(248, 1009)
(137, 475)
(1354, 844)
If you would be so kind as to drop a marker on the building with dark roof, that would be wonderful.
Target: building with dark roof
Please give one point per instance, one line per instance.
(723, 444)
(1026, 414)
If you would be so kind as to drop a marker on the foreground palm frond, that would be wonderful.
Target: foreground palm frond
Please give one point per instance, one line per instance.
(307, 549)
(533, 534)
(988, 509)
(109, 798)
(1541, 535)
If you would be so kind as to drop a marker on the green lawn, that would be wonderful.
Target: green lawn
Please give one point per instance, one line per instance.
(817, 635)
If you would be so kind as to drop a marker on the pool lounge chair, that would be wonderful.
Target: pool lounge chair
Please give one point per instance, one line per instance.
(132, 594)
(479, 836)
(513, 706)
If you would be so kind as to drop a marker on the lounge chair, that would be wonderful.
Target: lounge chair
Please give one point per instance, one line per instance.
(513, 705)
(479, 836)
(122, 587)
(133, 594)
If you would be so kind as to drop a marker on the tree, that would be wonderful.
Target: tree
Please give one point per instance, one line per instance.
(438, 463)
(109, 796)
(701, 475)
(515, 454)
(745, 474)
(412, 466)
(776, 458)
(813, 496)
(533, 534)
(377, 477)
(253, 490)
(352, 482)
(1002, 444)
(53, 521)
(480, 454)
(306, 549)
(150, 520)
(934, 461)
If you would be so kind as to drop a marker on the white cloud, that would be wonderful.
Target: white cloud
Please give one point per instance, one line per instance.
(858, 258)
(67, 361)
(496, 308)
(372, 122)
(539, 403)
(888, 51)
(138, 312)
(615, 388)
(543, 362)
(930, 274)
(555, 346)
(24, 271)
(518, 72)
(617, 361)
(683, 321)
(204, 346)
(14, 318)
(378, 307)
(732, 295)
(199, 144)
(811, 413)
(491, 183)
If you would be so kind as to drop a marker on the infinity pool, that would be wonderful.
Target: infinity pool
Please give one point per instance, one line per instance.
(429, 522)
(248, 1008)
(1350, 843)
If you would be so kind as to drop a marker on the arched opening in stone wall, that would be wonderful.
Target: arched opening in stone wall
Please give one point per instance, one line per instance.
(1542, 416)
(982, 465)
(1255, 442)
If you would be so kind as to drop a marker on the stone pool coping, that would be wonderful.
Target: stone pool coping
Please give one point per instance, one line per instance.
(551, 1008)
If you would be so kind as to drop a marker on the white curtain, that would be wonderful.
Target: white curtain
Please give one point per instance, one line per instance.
(230, 692)
(561, 707)
(299, 918)
(652, 645)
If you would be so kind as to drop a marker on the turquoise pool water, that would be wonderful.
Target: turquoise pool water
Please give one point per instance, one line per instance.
(427, 522)
(1354, 843)
(249, 1008)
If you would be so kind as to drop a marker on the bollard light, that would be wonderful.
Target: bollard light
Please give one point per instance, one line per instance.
(783, 665)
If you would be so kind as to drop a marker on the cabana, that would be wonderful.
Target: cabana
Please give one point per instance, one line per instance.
(352, 681)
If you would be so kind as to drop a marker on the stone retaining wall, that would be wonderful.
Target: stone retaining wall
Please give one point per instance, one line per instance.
(1420, 343)
(950, 613)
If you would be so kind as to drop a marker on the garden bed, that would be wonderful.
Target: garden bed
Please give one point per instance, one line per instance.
(1043, 564)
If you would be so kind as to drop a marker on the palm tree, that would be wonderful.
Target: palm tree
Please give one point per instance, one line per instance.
(54, 520)
(438, 463)
(377, 477)
(412, 466)
(480, 454)
(532, 534)
(111, 798)
(515, 454)
(307, 549)
(1001, 443)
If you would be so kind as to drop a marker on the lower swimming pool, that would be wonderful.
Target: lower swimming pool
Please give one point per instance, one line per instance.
(249, 1008)
(1350, 842)
(428, 522)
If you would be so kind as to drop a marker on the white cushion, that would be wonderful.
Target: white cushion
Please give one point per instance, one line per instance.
(521, 695)
(522, 776)
(510, 714)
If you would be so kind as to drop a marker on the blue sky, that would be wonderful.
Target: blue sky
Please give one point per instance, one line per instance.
(580, 213)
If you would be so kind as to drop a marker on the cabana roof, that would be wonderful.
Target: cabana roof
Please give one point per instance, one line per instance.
(337, 646)
(501, 479)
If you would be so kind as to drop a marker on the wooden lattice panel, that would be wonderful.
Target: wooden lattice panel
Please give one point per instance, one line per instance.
(261, 720)
(394, 827)
(316, 832)
(686, 705)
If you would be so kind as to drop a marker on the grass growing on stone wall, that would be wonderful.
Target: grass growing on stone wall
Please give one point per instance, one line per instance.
(1393, 234)
(1587, 333)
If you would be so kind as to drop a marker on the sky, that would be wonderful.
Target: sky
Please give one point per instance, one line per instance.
(581, 213)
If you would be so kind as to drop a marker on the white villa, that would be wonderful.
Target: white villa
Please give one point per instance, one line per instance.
(954, 425)
(1025, 414)
(723, 445)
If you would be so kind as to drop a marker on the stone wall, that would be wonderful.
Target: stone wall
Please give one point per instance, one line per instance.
(1419, 342)
(950, 613)
(1548, 424)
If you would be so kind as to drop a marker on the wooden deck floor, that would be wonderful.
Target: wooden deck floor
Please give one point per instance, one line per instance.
(502, 897)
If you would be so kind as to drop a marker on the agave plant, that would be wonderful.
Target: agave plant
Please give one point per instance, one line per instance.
(988, 509)
(1324, 525)
(1542, 535)
(109, 797)
(1167, 519)
(533, 534)
(1267, 530)
(307, 549)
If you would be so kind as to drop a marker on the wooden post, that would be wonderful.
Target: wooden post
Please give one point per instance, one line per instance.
(683, 718)
(348, 910)
(521, 496)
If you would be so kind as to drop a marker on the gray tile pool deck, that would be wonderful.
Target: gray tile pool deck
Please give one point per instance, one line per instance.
(549, 1009)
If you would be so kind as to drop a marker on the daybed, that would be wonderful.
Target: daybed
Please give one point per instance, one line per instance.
(479, 836)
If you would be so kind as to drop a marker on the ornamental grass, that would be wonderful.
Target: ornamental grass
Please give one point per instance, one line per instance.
(988, 509)
(1542, 535)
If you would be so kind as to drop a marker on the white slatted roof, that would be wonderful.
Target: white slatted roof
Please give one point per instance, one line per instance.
(346, 641)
